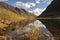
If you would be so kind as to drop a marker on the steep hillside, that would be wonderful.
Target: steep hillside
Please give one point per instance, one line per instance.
(51, 18)
(12, 18)
(53, 10)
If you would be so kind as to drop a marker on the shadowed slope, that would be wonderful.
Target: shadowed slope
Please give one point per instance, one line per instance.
(51, 18)
(53, 10)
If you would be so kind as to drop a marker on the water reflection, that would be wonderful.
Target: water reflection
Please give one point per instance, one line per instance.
(45, 34)
(44, 30)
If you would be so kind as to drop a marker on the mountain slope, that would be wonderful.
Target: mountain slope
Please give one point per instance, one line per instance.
(53, 10)
(13, 9)
(51, 18)
(12, 18)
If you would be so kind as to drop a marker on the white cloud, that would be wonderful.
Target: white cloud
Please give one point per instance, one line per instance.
(25, 5)
(37, 1)
(37, 11)
(32, 4)
(3, 0)
(30, 11)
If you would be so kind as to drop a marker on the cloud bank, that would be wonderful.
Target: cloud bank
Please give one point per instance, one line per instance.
(25, 5)
(37, 11)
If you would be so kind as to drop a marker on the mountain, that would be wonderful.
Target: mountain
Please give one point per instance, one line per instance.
(13, 9)
(53, 10)
(12, 18)
(51, 18)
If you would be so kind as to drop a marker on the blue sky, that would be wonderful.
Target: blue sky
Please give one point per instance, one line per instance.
(35, 6)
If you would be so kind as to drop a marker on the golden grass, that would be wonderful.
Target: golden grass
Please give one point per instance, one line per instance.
(32, 33)
(3, 37)
(3, 25)
(7, 17)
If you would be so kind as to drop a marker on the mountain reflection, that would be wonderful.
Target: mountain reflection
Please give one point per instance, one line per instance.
(44, 33)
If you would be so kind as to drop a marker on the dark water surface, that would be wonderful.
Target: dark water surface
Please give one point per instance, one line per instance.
(54, 27)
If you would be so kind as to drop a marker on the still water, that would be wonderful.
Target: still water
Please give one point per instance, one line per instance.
(45, 33)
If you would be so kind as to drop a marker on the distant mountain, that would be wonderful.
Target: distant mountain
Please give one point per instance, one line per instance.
(53, 10)
(12, 18)
(11, 8)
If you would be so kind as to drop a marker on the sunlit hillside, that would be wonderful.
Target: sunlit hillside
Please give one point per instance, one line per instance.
(11, 21)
